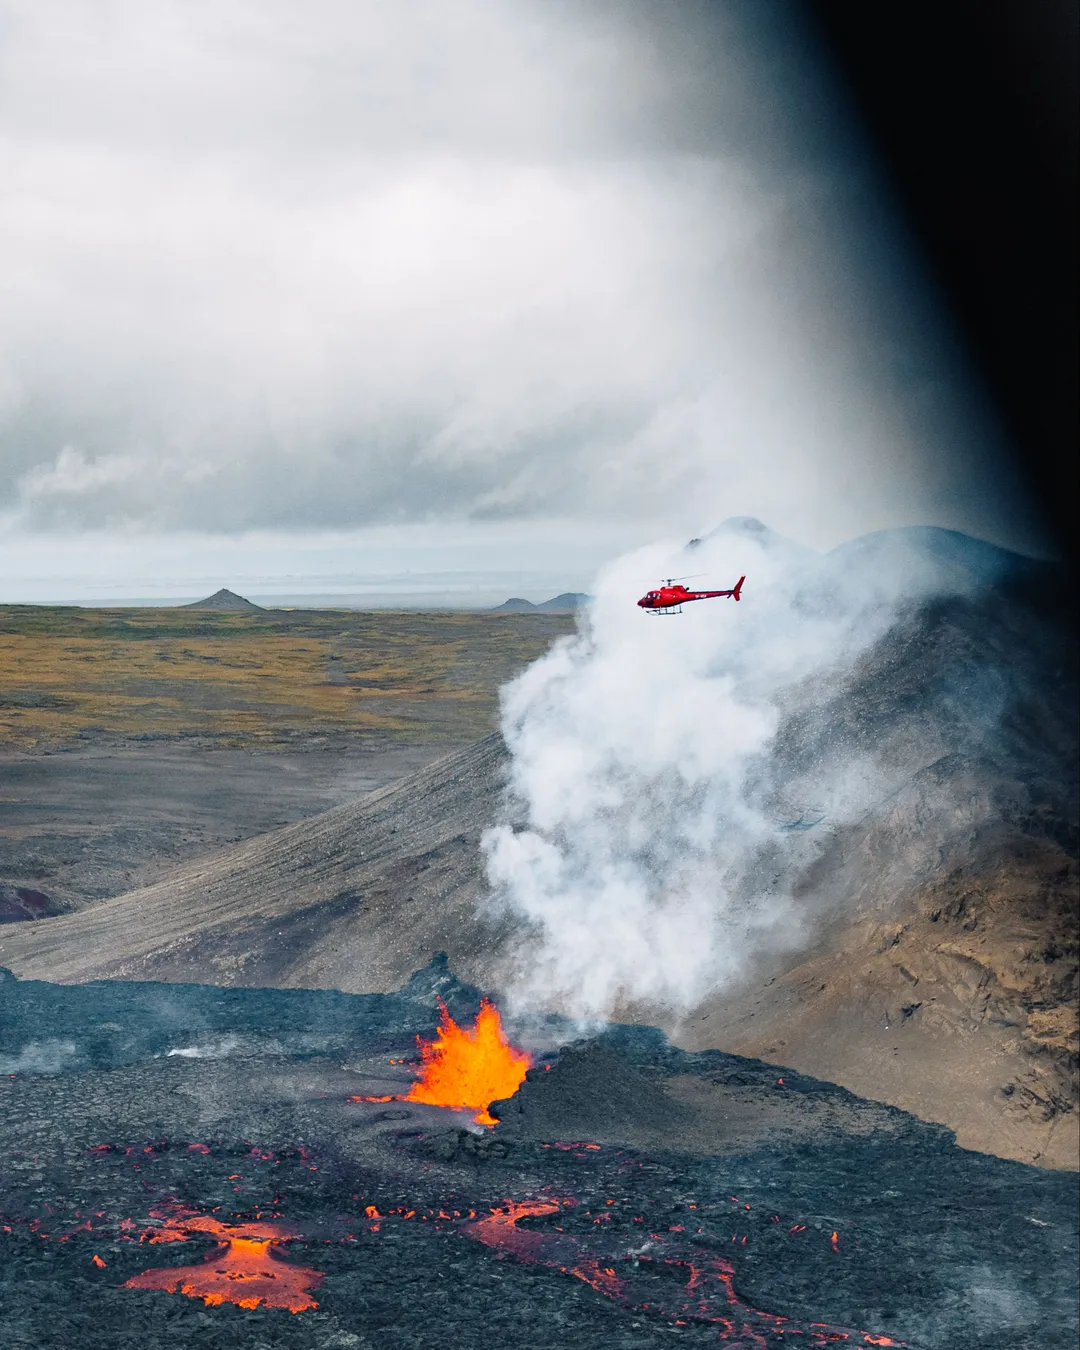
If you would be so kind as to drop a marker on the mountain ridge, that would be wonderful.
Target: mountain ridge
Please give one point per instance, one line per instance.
(563, 603)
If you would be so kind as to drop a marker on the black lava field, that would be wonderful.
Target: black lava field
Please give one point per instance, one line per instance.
(205, 1136)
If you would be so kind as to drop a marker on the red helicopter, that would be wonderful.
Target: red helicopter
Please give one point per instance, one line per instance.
(671, 596)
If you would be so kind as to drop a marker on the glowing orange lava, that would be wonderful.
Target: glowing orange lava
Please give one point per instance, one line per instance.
(705, 1293)
(466, 1070)
(243, 1270)
(499, 1228)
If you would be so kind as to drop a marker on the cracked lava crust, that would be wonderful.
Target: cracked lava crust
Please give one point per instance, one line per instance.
(212, 1167)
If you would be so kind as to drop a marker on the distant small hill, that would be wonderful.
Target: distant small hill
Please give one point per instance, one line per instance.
(557, 604)
(515, 605)
(224, 599)
(568, 600)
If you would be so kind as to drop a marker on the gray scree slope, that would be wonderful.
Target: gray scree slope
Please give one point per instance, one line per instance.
(344, 900)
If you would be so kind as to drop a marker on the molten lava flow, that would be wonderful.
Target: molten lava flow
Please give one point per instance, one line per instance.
(242, 1270)
(500, 1229)
(702, 1291)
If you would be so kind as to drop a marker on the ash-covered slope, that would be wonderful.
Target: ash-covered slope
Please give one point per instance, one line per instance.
(943, 972)
(343, 900)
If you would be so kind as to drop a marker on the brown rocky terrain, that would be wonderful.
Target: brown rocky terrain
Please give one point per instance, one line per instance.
(959, 1004)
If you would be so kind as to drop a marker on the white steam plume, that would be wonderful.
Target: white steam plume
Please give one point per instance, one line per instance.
(651, 843)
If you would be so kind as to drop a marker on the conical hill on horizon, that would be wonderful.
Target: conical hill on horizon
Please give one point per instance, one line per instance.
(225, 599)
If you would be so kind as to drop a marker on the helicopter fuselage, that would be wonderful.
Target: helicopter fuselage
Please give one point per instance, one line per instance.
(672, 595)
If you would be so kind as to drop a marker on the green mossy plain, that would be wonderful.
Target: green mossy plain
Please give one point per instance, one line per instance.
(69, 676)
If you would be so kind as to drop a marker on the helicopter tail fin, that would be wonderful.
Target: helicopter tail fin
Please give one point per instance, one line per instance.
(737, 592)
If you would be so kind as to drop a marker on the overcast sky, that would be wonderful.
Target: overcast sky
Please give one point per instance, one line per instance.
(539, 274)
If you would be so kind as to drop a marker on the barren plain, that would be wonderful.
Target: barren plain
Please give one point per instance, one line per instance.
(132, 740)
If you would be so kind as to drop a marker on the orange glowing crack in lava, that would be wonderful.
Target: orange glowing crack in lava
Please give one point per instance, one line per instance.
(669, 1276)
(466, 1070)
(707, 1293)
(243, 1269)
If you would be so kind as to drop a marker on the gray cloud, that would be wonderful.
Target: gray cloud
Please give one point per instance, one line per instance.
(270, 265)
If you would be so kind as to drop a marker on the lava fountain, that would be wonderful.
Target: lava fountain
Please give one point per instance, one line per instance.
(242, 1270)
(466, 1069)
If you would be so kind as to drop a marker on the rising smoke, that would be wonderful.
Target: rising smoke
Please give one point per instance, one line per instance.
(49, 1056)
(655, 832)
